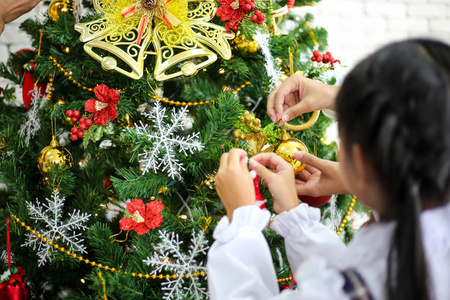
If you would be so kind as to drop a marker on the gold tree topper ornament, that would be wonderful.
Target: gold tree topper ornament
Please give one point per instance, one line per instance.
(175, 31)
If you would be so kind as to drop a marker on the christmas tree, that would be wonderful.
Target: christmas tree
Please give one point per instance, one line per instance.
(109, 165)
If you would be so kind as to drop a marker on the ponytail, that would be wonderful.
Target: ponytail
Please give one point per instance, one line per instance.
(407, 271)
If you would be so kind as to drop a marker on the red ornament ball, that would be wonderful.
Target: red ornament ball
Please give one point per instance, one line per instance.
(89, 122)
(315, 201)
(74, 120)
(74, 130)
(80, 134)
(74, 137)
(82, 120)
(69, 113)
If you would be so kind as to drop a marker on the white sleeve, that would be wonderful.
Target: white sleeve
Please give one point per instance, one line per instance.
(240, 264)
(305, 237)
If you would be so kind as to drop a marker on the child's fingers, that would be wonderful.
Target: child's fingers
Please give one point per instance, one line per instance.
(235, 157)
(272, 161)
(260, 170)
(223, 160)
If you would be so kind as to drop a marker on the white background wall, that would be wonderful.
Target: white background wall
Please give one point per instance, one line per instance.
(355, 27)
(358, 27)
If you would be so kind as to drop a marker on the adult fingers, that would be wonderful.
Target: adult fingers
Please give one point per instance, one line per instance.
(310, 160)
(303, 188)
(296, 110)
(271, 106)
(290, 85)
(304, 175)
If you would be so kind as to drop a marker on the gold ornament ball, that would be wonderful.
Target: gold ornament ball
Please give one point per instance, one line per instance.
(286, 150)
(243, 47)
(54, 155)
(56, 7)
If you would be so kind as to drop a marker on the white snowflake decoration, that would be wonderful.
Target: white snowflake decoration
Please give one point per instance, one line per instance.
(55, 228)
(165, 141)
(33, 124)
(168, 257)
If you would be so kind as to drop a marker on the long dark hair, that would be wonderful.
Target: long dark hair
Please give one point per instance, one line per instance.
(396, 106)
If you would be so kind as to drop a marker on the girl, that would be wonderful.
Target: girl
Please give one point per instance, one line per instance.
(394, 118)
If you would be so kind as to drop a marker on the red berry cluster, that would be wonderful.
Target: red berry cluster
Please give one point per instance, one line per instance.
(325, 58)
(84, 124)
(234, 11)
(230, 25)
(247, 6)
(258, 17)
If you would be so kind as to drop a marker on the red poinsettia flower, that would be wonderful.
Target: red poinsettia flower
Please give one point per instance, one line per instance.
(143, 218)
(104, 108)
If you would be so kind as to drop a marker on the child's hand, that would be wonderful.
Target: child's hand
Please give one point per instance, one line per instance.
(234, 184)
(280, 180)
(320, 177)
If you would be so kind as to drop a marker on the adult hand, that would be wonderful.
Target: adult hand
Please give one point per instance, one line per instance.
(12, 9)
(234, 184)
(280, 179)
(320, 177)
(298, 95)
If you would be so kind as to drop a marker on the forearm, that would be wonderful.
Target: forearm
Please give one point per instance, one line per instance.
(331, 93)
(305, 237)
(239, 262)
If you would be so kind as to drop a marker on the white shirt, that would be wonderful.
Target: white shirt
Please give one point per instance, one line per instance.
(240, 263)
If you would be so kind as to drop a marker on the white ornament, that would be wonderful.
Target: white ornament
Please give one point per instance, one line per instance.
(50, 214)
(165, 143)
(169, 257)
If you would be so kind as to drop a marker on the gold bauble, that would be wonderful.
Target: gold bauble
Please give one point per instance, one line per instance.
(54, 155)
(56, 7)
(286, 150)
(243, 47)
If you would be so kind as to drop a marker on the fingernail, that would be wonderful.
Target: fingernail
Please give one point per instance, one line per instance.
(253, 163)
(298, 155)
(285, 118)
(245, 159)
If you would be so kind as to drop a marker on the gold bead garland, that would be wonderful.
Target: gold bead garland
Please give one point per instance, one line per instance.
(182, 103)
(165, 100)
(148, 276)
(50, 88)
(69, 75)
(347, 214)
(95, 264)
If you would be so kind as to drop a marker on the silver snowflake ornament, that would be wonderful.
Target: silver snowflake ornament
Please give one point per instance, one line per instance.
(165, 142)
(54, 228)
(168, 257)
